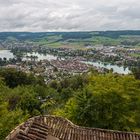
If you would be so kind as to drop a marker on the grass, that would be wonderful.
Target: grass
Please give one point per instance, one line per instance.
(55, 41)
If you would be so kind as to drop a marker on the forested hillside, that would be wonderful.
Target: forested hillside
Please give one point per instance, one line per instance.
(67, 35)
(75, 39)
(109, 100)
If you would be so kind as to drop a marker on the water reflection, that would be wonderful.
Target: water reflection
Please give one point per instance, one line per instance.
(117, 69)
(35, 55)
(6, 54)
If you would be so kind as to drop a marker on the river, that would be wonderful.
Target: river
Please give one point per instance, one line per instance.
(6, 54)
(41, 56)
(118, 69)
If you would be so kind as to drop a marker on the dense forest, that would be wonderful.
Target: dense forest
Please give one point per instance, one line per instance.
(110, 101)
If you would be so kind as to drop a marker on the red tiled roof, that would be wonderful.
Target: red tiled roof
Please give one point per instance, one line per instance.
(38, 128)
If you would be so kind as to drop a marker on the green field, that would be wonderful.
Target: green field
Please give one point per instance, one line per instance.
(75, 40)
(57, 41)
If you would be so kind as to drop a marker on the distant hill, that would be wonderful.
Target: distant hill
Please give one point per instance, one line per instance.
(116, 34)
(66, 35)
(75, 39)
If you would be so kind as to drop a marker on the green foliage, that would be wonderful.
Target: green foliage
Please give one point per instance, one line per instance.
(13, 78)
(109, 101)
(65, 94)
(136, 72)
(9, 119)
(106, 101)
(74, 39)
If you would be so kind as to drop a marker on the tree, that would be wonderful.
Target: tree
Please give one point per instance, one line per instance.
(9, 119)
(13, 78)
(136, 72)
(106, 101)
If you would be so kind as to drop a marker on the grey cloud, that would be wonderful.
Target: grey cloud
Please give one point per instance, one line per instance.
(131, 12)
(69, 15)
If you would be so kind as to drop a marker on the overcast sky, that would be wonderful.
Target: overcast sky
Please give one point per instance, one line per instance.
(69, 15)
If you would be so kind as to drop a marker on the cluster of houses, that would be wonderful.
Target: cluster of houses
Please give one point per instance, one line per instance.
(73, 66)
(51, 70)
(69, 61)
